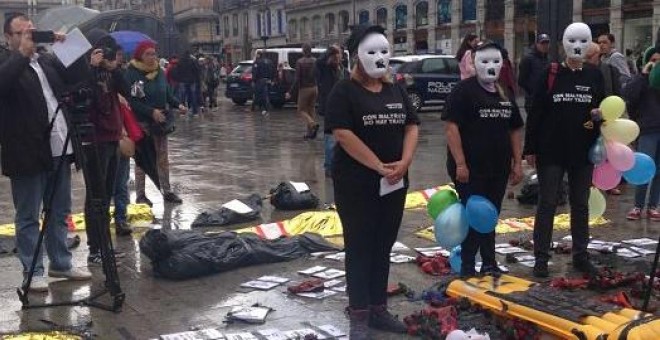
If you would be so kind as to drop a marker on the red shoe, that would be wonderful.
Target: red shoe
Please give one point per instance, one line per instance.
(634, 214)
(653, 214)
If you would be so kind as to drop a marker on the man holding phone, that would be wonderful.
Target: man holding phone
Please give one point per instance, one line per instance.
(32, 140)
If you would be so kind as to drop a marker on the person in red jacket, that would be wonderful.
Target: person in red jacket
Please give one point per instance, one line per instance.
(506, 75)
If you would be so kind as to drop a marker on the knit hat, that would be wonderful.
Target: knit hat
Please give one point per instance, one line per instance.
(142, 47)
(359, 33)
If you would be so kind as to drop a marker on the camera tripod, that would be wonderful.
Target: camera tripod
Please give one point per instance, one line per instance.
(73, 106)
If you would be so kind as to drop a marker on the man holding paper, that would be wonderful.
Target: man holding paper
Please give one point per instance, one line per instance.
(32, 137)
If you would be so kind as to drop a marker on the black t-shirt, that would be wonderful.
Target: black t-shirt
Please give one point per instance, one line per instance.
(485, 122)
(378, 119)
(559, 126)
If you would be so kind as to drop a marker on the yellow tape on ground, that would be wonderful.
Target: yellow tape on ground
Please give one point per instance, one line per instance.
(418, 199)
(135, 213)
(41, 336)
(513, 225)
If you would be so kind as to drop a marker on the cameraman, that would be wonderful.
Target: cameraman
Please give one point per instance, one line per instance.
(102, 155)
(32, 138)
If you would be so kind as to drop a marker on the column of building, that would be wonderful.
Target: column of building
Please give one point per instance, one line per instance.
(656, 20)
(481, 18)
(433, 23)
(616, 22)
(509, 28)
(457, 15)
(577, 10)
(410, 26)
(391, 17)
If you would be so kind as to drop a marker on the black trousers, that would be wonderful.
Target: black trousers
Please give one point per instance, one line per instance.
(371, 225)
(100, 184)
(579, 182)
(493, 189)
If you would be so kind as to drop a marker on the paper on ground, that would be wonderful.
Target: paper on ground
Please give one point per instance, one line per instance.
(398, 246)
(641, 242)
(262, 285)
(310, 271)
(318, 295)
(300, 186)
(241, 336)
(330, 274)
(275, 279)
(386, 187)
(238, 207)
(272, 334)
(74, 46)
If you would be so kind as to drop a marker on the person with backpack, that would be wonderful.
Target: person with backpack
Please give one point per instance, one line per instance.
(562, 126)
(484, 130)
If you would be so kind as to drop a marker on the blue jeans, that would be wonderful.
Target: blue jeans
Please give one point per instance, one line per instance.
(29, 193)
(330, 142)
(190, 94)
(121, 197)
(650, 145)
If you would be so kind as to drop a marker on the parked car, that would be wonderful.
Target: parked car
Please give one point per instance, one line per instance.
(291, 55)
(396, 62)
(428, 80)
(240, 87)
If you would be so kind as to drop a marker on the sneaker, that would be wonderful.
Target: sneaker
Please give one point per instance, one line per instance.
(171, 197)
(653, 214)
(264, 113)
(541, 269)
(635, 214)
(585, 266)
(380, 318)
(73, 274)
(39, 284)
(492, 270)
(123, 229)
(143, 200)
(96, 259)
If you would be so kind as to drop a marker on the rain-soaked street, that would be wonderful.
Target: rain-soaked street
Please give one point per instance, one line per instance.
(230, 153)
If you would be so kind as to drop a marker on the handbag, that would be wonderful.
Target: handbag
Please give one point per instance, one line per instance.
(133, 128)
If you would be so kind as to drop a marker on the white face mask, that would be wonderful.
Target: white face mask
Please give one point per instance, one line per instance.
(488, 64)
(374, 55)
(577, 38)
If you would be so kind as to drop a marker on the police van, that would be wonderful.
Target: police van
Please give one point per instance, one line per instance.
(429, 79)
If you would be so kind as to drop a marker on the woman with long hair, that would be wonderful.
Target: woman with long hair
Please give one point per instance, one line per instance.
(464, 55)
(375, 126)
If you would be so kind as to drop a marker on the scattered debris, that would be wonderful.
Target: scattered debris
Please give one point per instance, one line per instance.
(255, 314)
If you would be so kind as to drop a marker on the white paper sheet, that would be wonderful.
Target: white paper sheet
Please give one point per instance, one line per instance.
(74, 46)
(238, 206)
(300, 186)
(318, 295)
(386, 187)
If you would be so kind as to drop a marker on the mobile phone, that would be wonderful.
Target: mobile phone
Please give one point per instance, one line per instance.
(43, 37)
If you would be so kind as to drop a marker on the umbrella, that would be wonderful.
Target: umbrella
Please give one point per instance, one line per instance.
(128, 40)
(64, 19)
(146, 158)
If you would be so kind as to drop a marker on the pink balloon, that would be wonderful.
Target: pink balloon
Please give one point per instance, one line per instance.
(620, 156)
(606, 177)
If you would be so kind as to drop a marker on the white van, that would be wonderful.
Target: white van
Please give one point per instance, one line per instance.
(292, 54)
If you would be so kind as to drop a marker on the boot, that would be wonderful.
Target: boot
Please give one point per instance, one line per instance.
(584, 265)
(359, 324)
(381, 319)
(123, 228)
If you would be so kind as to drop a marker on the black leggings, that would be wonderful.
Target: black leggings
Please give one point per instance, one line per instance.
(493, 189)
(371, 225)
(102, 184)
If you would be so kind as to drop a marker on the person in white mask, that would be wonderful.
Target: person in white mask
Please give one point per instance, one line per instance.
(484, 133)
(376, 129)
(561, 128)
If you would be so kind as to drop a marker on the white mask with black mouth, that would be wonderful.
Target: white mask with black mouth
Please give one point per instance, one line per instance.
(577, 38)
(488, 63)
(374, 55)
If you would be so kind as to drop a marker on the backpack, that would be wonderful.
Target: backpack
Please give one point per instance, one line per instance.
(286, 197)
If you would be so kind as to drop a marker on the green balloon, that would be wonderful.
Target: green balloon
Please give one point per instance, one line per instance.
(440, 201)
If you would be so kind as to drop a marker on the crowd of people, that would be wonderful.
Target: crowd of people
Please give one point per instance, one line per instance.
(370, 133)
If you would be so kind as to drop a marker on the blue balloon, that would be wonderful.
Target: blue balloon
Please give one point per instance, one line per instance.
(455, 259)
(642, 172)
(451, 226)
(598, 153)
(481, 214)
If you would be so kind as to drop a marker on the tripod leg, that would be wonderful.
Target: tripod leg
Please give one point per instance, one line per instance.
(649, 288)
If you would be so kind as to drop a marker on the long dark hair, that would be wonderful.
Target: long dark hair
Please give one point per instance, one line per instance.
(465, 45)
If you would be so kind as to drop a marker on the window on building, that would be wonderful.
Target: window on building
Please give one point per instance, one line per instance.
(400, 17)
(331, 24)
(234, 20)
(422, 13)
(444, 12)
(293, 29)
(259, 30)
(280, 21)
(524, 8)
(268, 22)
(494, 10)
(363, 17)
(316, 27)
(304, 28)
(381, 17)
(469, 10)
(226, 26)
(343, 21)
(593, 4)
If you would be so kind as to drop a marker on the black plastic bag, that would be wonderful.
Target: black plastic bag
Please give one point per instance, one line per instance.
(184, 254)
(225, 216)
(286, 197)
(529, 193)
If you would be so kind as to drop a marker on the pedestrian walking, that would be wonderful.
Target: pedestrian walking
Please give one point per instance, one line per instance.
(532, 67)
(188, 75)
(149, 98)
(464, 55)
(262, 75)
(613, 57)
(484, 137)
(376, 129)
(305, 88)
(642, 97)
(562, 126)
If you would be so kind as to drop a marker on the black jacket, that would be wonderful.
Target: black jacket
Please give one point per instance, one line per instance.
(24, 123)
(326, 78)
(643, 103)
(187, 71)
(530, 71)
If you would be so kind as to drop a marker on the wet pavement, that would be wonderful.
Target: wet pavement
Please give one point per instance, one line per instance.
(230, 153)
